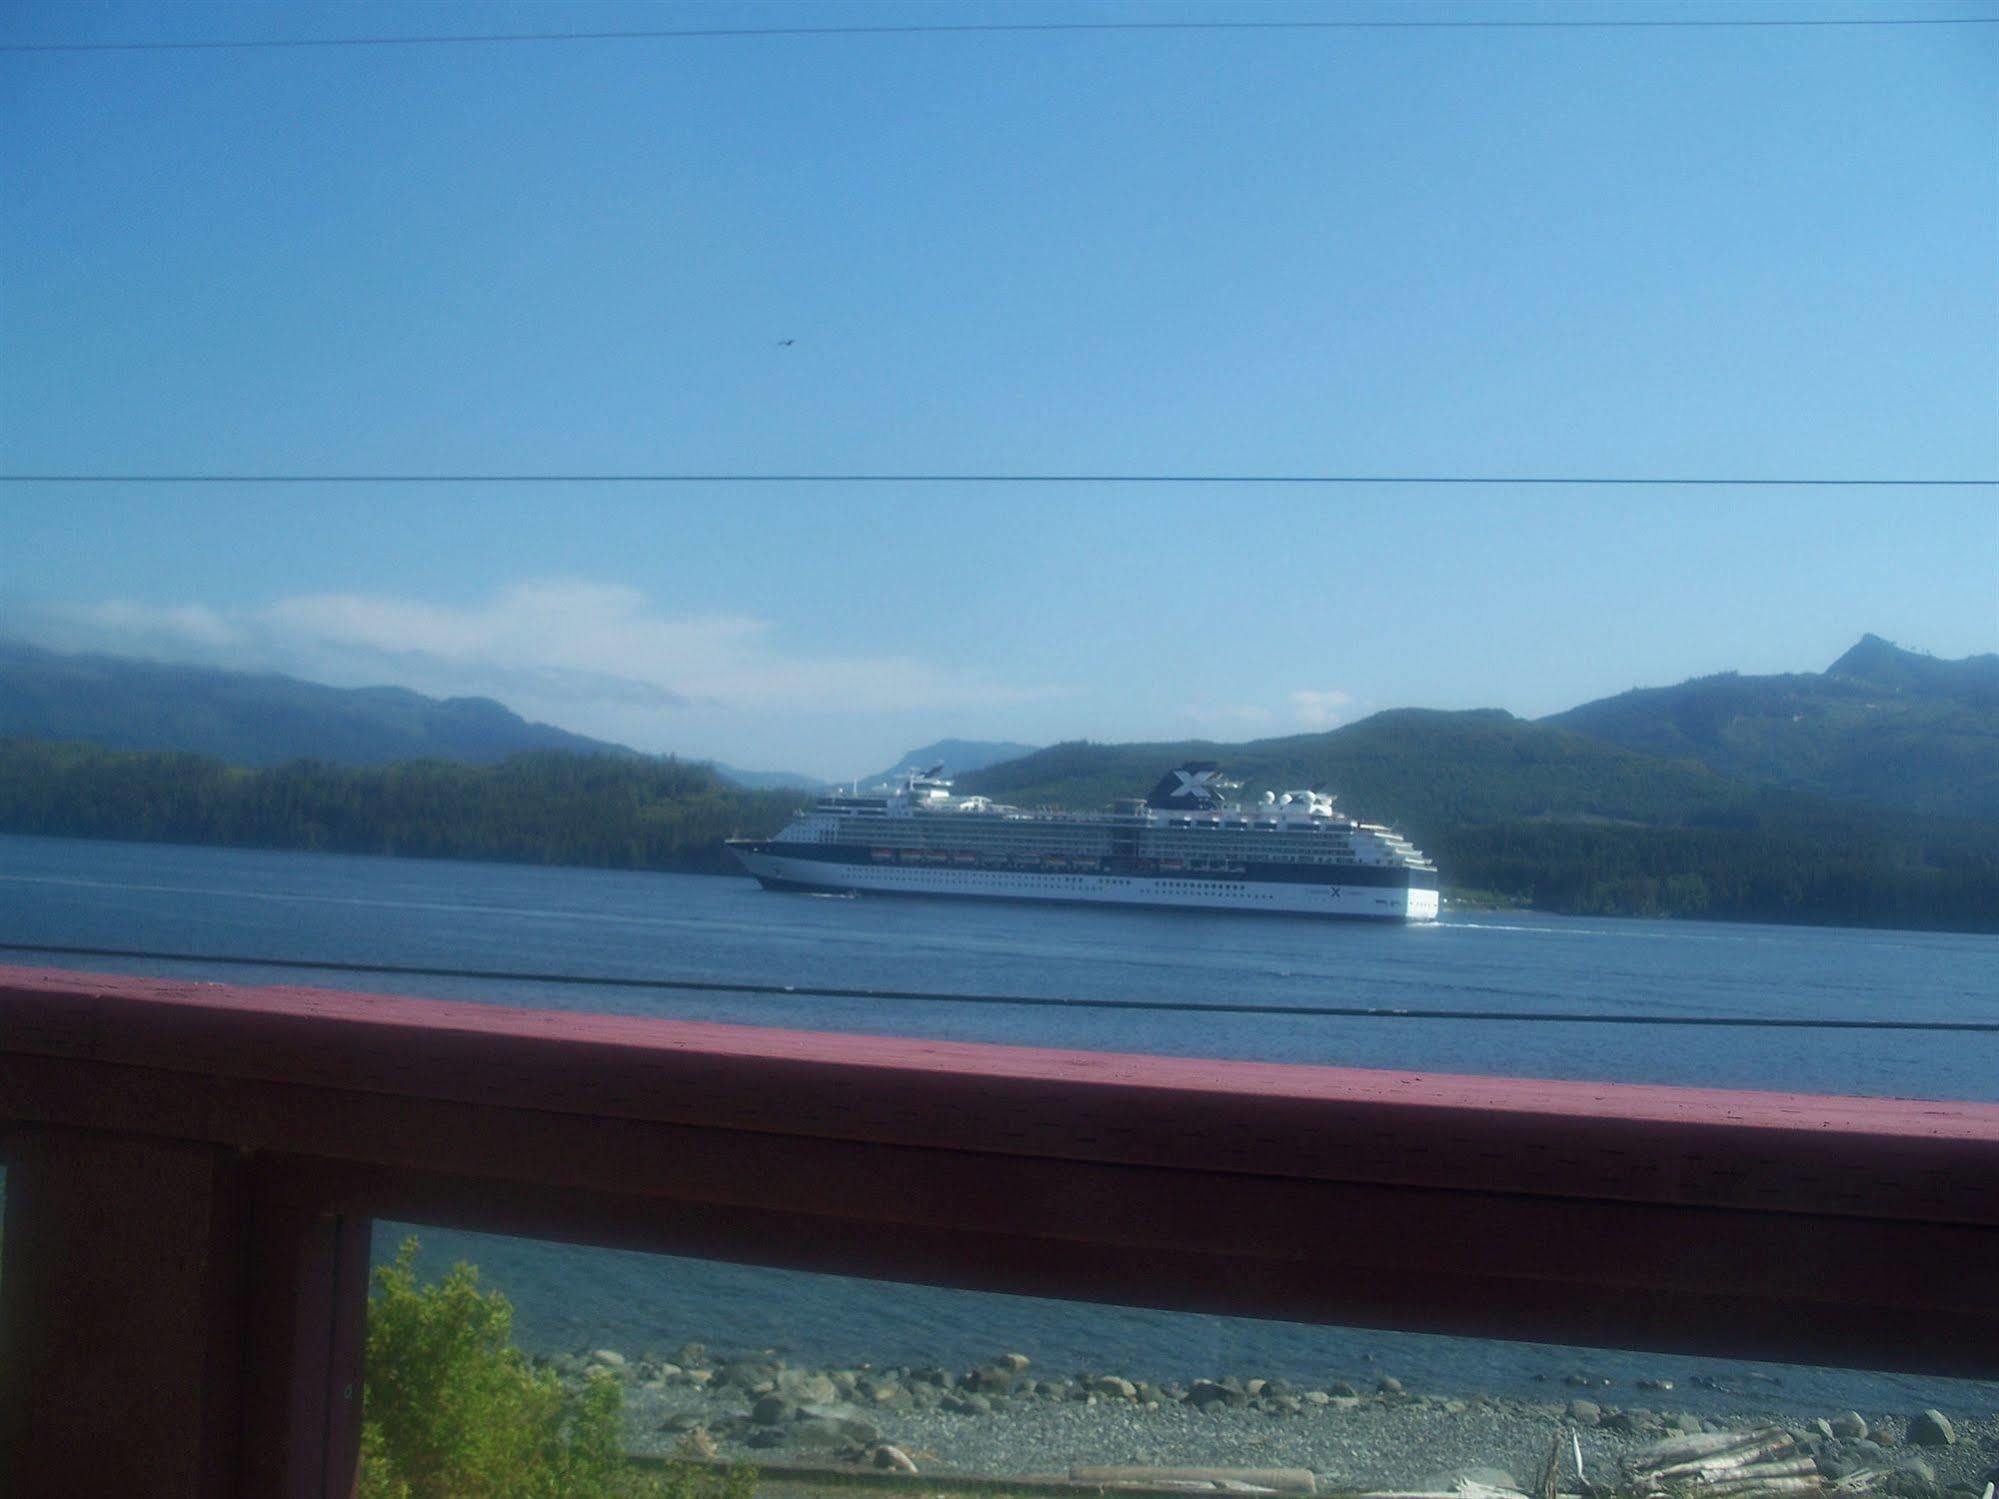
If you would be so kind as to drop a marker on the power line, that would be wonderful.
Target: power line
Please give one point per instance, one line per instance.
(1038, 1001)
(721, 33)
(1625, 481)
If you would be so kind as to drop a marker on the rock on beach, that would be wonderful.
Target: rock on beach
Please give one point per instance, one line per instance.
(1003, 1420)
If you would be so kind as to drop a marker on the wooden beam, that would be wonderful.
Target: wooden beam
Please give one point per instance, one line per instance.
(1925, 1160)
(1614, 1276)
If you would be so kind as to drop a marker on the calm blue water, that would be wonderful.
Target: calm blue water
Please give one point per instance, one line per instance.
(608, 923)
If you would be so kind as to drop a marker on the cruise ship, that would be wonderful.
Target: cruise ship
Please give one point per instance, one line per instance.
(1184, 845)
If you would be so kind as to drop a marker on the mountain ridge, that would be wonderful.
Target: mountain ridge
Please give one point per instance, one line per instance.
(1874, 659)
(256, 718)
(1882, 726)
(266, 718)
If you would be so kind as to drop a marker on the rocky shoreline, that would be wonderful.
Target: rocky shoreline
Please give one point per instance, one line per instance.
(1007, 1419)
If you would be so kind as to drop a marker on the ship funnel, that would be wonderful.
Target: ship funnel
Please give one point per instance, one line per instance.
(1195, 786)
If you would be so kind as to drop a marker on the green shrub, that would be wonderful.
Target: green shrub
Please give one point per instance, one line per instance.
(453, 1410)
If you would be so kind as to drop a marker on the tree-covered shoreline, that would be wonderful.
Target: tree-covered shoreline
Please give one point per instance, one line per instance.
(1732, 853)
(1785, 868)
(544, 807)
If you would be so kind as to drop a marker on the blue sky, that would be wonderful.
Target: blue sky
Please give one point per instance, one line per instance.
(1748, 252)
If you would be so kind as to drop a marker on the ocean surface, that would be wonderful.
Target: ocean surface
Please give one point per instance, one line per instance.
(605, 923)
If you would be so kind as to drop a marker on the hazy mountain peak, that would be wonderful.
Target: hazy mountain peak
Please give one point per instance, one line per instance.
(1882, 724)
(1882, 663)
(958, 757)
(255, 718)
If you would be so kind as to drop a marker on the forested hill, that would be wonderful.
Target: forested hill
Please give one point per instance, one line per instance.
(248, 718)
(1425, 770)
(549, 807)
(1880, 725)
(1561, 822)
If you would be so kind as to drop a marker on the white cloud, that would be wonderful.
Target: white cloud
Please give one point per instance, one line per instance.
(175, 627)
(582, 652)
(1320, 710)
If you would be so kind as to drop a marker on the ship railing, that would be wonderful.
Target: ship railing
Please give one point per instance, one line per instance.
(192, 1171)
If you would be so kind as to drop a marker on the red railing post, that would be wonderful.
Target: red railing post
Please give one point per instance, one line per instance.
(121, 1316)
(172, 1326)
(306, 1325)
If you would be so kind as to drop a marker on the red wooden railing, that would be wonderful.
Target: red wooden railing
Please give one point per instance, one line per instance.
(192, 1169)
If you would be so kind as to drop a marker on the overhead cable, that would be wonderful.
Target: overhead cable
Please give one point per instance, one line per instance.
(1596, 480)
(725, 33)
(1154, 1006)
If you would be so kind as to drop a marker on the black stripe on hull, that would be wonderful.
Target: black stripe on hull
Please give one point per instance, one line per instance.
(796, 887)
(800, 887)
(1375, 876)
(1367, 876)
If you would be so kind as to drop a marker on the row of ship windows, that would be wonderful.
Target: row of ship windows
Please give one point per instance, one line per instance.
(1202, 849)
(1198, 853)
(918, 837)
(1296, 848)
(990, 838)
(1222, 867)
(1043, 834)
(1193, 887)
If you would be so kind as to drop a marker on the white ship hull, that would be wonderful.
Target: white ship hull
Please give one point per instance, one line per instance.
(775, 869)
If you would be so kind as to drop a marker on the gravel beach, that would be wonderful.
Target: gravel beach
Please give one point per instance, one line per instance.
(1008, 1419)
